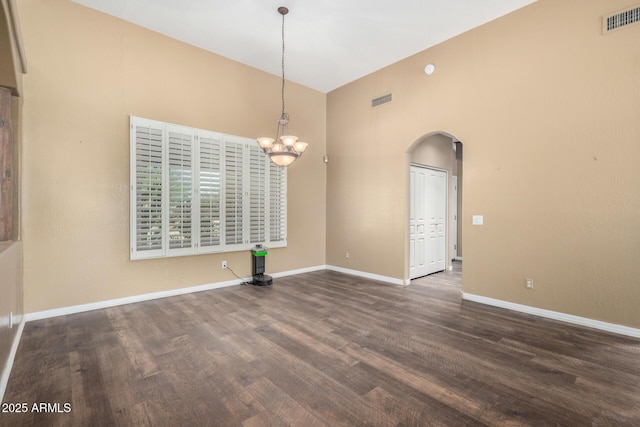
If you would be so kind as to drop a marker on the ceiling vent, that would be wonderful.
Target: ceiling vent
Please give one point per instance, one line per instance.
(620, 19)
(381, 100)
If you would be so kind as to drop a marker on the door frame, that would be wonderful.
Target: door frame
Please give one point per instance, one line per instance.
(453, 227)
(447, 232)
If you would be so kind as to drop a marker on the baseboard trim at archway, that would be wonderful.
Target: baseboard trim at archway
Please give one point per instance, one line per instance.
(555, 315)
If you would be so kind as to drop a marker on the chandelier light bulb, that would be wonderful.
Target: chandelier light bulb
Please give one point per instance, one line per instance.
(288, 140)
(300, 147)
(265, 142)
(283, 159)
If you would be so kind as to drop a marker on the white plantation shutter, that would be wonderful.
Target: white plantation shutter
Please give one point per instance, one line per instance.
(210, 183)
(146, 192)
(180, 185)
(258, 185)
(195, 191)
(277, 206)
(234, 192)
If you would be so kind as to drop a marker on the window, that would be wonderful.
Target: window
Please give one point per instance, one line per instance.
(195, 191)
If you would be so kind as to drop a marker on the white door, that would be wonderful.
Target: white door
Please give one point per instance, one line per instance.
(417, 223)
(427, 222)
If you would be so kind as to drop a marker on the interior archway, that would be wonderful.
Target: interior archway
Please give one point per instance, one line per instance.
(441, 151)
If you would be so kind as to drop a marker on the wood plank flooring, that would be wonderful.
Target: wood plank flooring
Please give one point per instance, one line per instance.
(322, 349)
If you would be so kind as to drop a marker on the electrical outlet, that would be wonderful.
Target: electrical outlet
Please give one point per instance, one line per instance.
(346, 255)
(224, 264)
(528, 283)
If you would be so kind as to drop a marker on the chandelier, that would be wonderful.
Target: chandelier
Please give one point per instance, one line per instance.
(285, 148)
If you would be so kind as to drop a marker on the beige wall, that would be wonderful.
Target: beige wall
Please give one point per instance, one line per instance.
(87, 73)
(435, 151)
(548, 115)
(547, 108)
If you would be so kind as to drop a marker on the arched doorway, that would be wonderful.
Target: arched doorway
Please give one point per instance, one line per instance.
(435, 161)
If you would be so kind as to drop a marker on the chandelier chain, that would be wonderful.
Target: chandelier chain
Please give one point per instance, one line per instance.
(283, 64)
(285, 148)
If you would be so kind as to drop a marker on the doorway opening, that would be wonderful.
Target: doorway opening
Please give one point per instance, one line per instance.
(434, 233)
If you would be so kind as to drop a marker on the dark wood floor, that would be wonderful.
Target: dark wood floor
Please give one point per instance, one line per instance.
(323, 349)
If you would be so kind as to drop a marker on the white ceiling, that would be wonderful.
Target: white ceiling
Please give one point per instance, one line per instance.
(328, 42)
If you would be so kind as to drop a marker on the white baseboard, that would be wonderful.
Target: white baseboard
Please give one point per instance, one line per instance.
(458, 258)
(299, 271)
(6, 372)
(563, 317)
(46, 314)
(364, 274)
(582, 321)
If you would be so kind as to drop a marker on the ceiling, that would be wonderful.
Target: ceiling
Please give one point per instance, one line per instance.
(328, 43)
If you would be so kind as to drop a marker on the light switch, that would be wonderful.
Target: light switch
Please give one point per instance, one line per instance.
(478, 220)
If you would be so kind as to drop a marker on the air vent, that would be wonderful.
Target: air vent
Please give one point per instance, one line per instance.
(620, 19)
(381, 100)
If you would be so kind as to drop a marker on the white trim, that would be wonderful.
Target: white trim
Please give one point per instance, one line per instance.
(299, 271)
(421, 166)
(582, 321)
(13, 21)
(458, 258)
(6, 372)
(447, 223)
(563, 317)
(249, 169)
(364, 274)
(39, 315)
(453, 227)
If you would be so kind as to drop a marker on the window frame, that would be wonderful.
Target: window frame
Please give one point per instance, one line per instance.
(238, 158)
